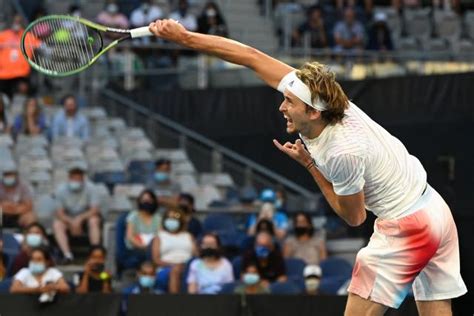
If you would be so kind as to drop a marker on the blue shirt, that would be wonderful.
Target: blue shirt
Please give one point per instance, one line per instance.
(19, 124)
(80, 125)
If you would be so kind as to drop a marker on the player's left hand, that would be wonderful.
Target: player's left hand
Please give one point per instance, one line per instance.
(295, 151)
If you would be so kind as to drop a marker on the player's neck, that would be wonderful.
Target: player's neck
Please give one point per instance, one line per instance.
(315, 129)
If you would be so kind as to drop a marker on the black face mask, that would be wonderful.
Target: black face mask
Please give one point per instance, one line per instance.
(210, 253)
(98, 267)
(300, 231)
(148, 207)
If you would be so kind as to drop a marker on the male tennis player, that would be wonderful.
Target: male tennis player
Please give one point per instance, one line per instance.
(358, 165)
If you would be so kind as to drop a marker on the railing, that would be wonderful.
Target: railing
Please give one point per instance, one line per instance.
(207, 155)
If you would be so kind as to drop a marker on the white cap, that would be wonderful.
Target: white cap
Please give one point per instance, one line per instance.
(312, 270)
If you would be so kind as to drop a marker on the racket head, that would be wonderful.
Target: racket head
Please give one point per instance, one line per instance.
(62, 45)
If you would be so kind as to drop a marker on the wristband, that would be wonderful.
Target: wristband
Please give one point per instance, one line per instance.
(310, 165)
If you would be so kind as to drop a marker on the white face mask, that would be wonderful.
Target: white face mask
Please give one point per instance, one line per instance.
(9, 181)
(312, 284)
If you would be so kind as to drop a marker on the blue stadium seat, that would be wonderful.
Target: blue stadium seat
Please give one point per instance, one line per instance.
(229, 288)
(237, 267)
(336, 271)
(140, 171)
(110, 178)
(10, 244)
(287, 288)
(124, 257)
(5, 285)
(224, 226)
(294, 268)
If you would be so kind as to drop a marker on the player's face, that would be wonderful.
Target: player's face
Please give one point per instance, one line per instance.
(294, 111)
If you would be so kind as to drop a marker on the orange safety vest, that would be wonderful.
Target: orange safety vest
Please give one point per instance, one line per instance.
(12, 63)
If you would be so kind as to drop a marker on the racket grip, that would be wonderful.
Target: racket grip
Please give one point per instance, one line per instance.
(140, 32)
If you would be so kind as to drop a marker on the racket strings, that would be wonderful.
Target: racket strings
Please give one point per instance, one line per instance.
(61, 45)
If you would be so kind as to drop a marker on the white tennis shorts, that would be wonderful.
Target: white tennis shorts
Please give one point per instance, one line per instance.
(419, 250)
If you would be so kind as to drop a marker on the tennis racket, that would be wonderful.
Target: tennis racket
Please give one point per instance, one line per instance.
(62, 45)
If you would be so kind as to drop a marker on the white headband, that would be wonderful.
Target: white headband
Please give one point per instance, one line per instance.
(299, 89)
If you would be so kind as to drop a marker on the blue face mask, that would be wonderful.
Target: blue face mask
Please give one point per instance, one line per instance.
(262, 252)
(75, 186)
(9, 181)
(278, 204)
(146, 281)
(161, 176)
(34, 240)
(36, 267)
(251, 278)
(171, 224)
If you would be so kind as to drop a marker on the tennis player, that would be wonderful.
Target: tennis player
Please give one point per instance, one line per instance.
(358, 165)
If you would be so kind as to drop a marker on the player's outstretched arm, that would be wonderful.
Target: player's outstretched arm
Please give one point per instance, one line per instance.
(268, 68)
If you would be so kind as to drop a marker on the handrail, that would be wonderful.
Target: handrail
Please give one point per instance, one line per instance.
(207, 142)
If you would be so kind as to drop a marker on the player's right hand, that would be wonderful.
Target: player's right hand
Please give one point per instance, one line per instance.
(167, 29)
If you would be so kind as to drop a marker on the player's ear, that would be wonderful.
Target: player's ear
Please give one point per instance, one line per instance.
(313, 113)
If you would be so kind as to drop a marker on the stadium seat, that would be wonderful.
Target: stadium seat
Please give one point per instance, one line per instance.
(5, 285)
(285, 288)
(237, 267)
(224, 225)
(10, 245)
(139, 171)
(110, 178)
(336, 272)
(294, 268)
(229, 288)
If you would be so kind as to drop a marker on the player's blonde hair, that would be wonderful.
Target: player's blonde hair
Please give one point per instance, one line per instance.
(322, 83)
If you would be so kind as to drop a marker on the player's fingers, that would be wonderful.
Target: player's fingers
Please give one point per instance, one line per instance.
(278, 145)
(288, 145)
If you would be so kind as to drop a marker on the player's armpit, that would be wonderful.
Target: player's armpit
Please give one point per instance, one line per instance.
(352, 208)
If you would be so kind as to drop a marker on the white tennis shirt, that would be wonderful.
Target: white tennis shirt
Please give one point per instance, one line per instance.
(359, 154)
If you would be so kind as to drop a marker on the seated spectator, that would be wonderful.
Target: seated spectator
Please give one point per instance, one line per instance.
(252, 281)
(4, 127)
(40, 276)
(186, 204)
(379, 34)
(269, 260)
(172, 248)
(182, 15)
(263, 225)
(280, 200)
(143, 224)
(146, 13)
(312, 278)
(280, 220)
(313, 28)
(78, 205)
(146, 280)
(211, 20)
(34, 236)
(16, 200)
(208, 273)
(21, 93)
(94, 278)
(68, 122)
(349, 34)
(305, 244)
(162, 183)
(111, 17)
(32, 121)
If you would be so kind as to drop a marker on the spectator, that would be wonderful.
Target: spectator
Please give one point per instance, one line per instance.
(252, 281)
(280, 200)
(379, 34)
(182, 15)
(162, 183)
(32, 121)
(40, 277)
(146, 280)
(279, 219)
(263, 225)
(208, 273)
(34, 236)
(305, 244)
(186, 204)
(313, 30)
(12, 64)
(172, 248)
(211, 20)
(94, 278)
(349, 34)
(4, 127)
(75, 10)
(78, 204)
(269, 260)
(312, 278)
(143, 224)
(68, 122)
(21, 93)
(16, 200)
(145, 14)
(111, 17)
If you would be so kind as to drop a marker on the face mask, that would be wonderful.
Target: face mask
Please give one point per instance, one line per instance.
(300, 231)
(9, 181)
(312, 284)
(34, 240)
(210, 13)
(172, 224)
(146, 281)
(36, 267)
(278, 204)
(75, 186)
(251, 278)
(161, 176)
(262, 252)
(148, 207)
(210, 253)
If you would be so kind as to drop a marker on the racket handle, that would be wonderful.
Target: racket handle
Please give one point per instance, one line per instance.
(140, 32)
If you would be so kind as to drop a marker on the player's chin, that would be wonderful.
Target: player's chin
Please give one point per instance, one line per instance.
(291, 130)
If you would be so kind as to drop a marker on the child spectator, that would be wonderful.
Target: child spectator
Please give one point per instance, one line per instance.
(208, 273)
(251, 281)
(94, 278)
(312, 279)
(146, 280)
